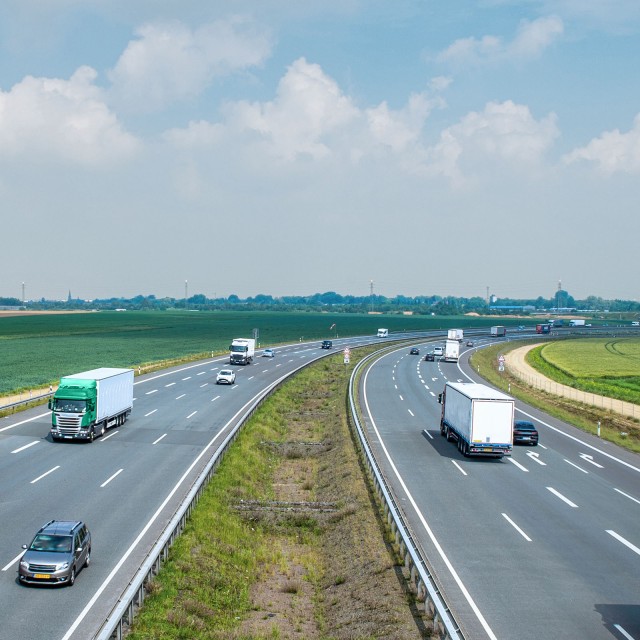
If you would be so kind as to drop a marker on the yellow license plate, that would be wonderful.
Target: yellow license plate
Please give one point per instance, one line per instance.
(42, 576)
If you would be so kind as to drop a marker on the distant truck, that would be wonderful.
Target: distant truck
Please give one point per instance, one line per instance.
(455, 334)
(86, 404)
(383, 333)
(557, 322)
(498, 331)
(478, 418)
(242, 351)
(543, 328)
(577, 323)
(451, 351)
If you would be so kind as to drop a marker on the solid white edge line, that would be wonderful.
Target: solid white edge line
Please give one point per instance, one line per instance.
(105, 438)
(8, 566)
(106, 482)
(424, 522)
(164, 435)
(17, 424)
(45, 474)
(516, 527)
(626, 495)
(624, 541)
(563, 498)
(26, 446)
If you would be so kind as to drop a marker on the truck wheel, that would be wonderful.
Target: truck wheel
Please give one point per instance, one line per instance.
(441, 429)
(92, 435)
(102, 428)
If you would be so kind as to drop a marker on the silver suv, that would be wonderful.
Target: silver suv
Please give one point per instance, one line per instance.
(58, 551)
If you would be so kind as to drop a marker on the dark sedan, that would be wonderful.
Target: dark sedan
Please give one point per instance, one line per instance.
(430, 357)
(524, 433)
(414, 351)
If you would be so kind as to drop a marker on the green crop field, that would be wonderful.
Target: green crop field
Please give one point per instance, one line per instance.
(37, 350)
(606, 366)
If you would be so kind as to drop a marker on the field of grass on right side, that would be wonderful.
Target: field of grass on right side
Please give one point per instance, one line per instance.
(605, 366)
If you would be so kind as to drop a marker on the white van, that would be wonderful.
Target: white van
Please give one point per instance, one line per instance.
(383, 333)
(438, 352)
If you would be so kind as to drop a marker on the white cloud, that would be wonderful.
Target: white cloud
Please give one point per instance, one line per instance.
(170, 62)
(530, 41)
(308, 108)
(65, 119)
(504, 132)
(612, 152)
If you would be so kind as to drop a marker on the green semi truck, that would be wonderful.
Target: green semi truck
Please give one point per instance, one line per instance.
(86, 404)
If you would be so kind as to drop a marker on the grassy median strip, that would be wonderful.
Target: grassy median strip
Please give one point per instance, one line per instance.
(624, 431)
(285, 541)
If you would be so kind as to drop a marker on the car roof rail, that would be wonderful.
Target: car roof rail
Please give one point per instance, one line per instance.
(44, 526)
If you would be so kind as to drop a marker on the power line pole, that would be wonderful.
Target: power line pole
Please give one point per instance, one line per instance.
(371, 294)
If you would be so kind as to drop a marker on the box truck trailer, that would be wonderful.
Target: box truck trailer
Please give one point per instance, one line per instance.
(451, 351)
(86, 404)
(383, 333)
(577, 323)
(242, 351)
(478, 418)
(455, 334)
(498, 331)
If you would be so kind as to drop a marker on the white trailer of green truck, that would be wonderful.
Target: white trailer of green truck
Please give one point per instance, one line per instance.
(86, 404)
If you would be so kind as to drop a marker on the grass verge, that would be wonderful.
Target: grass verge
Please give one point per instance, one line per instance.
(284, 542)
(585, 417)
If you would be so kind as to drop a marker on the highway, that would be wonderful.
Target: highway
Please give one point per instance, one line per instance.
(542, 544)
(125, 485)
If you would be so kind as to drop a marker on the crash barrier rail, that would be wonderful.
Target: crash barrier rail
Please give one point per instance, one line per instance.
(421, 578)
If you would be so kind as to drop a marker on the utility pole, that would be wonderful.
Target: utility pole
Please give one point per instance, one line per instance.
(371, 294)
(23, 298)
(487, 296)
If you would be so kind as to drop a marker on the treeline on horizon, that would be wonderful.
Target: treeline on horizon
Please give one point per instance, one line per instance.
(448, 305)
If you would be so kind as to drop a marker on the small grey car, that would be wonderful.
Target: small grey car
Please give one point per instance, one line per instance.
(59, 550)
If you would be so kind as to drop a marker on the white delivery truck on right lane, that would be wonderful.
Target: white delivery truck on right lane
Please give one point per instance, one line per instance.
(478, 418)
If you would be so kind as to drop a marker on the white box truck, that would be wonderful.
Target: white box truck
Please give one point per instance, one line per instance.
(478, 418)
(455, 334)
(498, 331)
(451, 351)
(577, 323)
(242, 351)
(383, 333)
(86, 404)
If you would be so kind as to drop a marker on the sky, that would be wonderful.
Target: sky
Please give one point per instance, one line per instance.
(412, 147)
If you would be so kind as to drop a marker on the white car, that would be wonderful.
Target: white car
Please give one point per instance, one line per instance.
(438, 352)
(226, 376)
(268, 353)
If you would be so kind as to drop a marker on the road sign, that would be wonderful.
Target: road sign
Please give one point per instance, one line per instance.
(501, 359)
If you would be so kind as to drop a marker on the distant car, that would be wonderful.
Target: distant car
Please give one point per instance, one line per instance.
(268, 353)
(438, 351)
(414, 351)
(326, 344)
(430, 357)
(524, 432)
(226, 376)
(521, 327)
(59, 550)
(469, 343)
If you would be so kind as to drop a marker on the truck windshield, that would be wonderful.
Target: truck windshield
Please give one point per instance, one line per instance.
(69, 406)
(238, 348)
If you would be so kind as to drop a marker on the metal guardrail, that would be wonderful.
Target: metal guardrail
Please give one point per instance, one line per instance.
(19, 403)
(421, 578)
